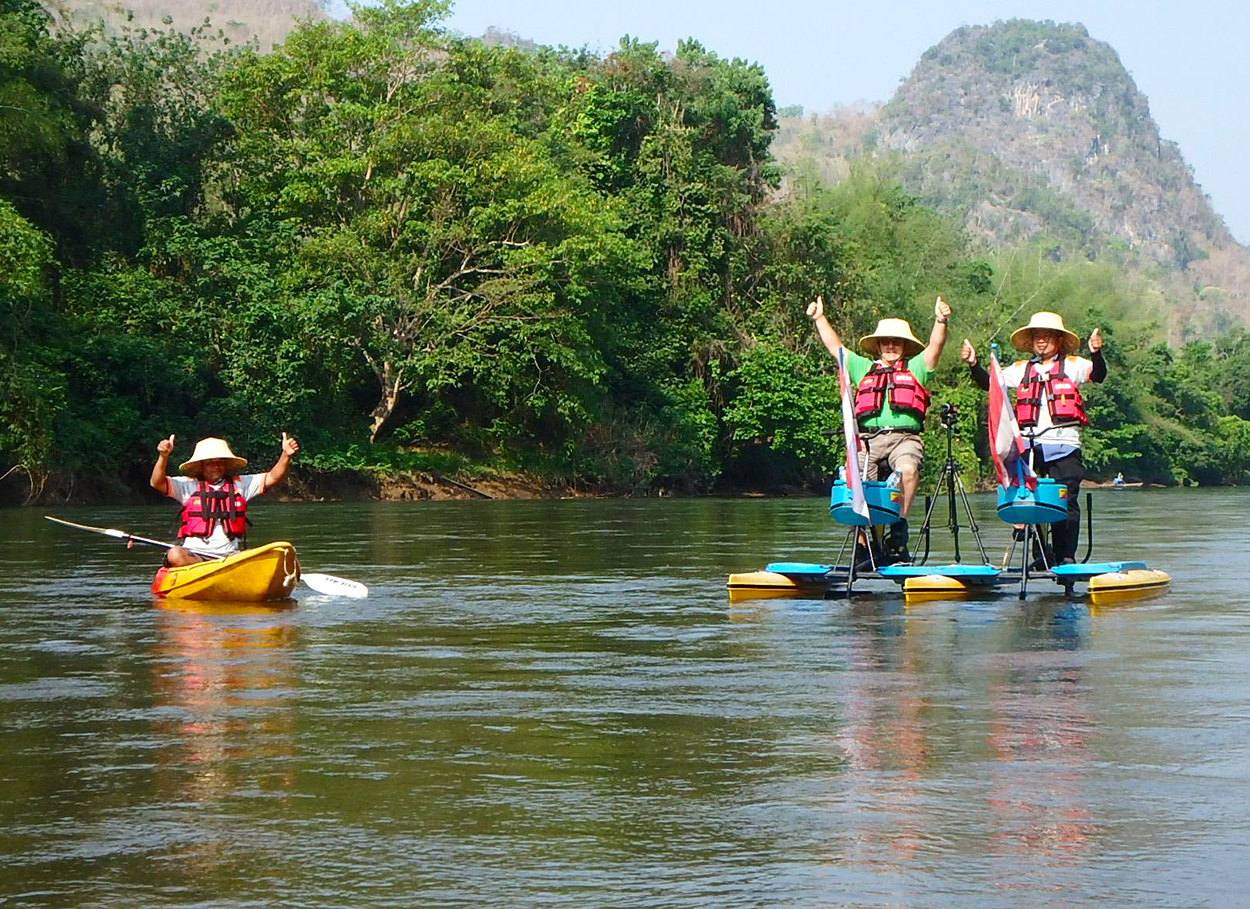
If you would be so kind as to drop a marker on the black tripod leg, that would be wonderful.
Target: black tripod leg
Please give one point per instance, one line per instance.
(850, 574)
(972, 522)
(1024, 559)
(1089, 526)
(924, 531)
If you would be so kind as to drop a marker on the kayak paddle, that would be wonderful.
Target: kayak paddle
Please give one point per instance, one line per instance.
(321, 583)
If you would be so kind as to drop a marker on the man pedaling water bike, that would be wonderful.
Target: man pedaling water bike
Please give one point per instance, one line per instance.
(890, 401)
(1049, 408)
(214, 497)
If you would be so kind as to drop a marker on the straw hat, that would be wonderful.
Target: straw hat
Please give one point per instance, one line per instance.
(1022, 338)
(208, 450)
(891, 328)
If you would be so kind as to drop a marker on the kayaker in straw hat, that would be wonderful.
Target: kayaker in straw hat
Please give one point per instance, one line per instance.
(1049, 408)
(891, 399)
(213, 495)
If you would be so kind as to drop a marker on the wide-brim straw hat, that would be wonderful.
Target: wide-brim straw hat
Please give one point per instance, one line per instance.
(891, 328)
(208, 450)
(1022, 338)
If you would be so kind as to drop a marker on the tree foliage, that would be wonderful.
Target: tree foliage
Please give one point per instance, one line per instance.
(406, 245)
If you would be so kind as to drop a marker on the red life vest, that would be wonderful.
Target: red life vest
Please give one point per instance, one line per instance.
(1063, 398)
(905, 393)
(207, 507)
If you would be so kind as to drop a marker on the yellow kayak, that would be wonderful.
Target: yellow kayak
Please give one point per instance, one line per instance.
(762, 585)
(268, 572)
(1117, 586)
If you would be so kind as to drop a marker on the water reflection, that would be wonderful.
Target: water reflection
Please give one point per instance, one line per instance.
(948, 729)
(1038, 734)
(223, 682)
(884, 735)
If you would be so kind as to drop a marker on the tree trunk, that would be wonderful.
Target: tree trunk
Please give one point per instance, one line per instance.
(391, 380)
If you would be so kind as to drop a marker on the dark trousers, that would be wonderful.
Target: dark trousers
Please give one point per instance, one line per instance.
(1068, 470)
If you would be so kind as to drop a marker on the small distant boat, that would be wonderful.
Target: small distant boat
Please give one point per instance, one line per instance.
(266, 573)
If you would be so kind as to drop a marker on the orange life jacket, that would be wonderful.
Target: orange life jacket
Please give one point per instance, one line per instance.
(1063, 397)
(207, 507)
(903, 390)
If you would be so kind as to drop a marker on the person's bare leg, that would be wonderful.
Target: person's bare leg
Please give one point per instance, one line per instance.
(910, 483)
(178, 557)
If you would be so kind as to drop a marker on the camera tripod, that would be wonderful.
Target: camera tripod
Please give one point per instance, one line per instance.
(949, 477)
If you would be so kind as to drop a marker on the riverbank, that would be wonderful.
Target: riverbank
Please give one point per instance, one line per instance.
(300, 486)
(420, 485)
(303, 485)
(399, 486)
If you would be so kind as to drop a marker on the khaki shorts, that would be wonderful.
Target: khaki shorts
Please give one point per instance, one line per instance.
(888, 451)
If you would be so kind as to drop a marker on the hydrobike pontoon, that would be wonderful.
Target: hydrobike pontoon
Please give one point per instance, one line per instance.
(1029, 511)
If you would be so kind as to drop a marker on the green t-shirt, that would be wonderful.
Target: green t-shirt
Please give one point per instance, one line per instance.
(858, 367)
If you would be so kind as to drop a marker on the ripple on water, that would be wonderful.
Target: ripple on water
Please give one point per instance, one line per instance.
(552, 703)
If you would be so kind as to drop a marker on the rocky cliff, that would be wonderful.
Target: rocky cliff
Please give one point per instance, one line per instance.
(1032, 130)
(267, 22)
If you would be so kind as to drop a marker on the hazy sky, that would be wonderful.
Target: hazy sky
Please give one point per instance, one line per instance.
(1188, 58)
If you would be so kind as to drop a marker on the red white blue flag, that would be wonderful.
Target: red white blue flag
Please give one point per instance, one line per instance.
(850, 430)
(1007, 445)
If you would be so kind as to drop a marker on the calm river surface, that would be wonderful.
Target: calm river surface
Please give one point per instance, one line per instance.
(553, 703)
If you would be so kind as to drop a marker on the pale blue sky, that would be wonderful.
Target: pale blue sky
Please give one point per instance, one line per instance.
(1188, 58)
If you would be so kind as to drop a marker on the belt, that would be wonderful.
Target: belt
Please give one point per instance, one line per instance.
(868, 434)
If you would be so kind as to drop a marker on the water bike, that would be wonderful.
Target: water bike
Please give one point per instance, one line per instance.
(1029, 509)
(267, 573)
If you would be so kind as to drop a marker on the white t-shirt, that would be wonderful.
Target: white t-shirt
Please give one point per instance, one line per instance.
(1077, 369)
(180, 489)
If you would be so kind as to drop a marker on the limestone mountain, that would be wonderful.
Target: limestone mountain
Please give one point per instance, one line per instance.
(267, 22)
(1032, 130)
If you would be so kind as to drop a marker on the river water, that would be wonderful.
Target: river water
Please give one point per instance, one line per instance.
(554, 703)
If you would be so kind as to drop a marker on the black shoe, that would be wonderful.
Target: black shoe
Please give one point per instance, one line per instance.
(1066, 560)
(896, 543)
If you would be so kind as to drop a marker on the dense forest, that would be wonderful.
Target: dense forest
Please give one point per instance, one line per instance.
(420, 252)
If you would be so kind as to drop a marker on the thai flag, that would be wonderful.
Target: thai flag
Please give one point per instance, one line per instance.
(851, 432)
(1007, 445)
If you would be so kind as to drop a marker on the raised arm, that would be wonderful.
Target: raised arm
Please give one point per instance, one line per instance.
(160, 480)
(937, 337)
(968, 354)
(832, 340)
(277, 473)
(1099, 372)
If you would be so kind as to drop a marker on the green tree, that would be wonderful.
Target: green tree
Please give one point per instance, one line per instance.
(447, 251)
(32, 389)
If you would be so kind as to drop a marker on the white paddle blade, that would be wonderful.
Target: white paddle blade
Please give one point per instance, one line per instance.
(332, 586)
